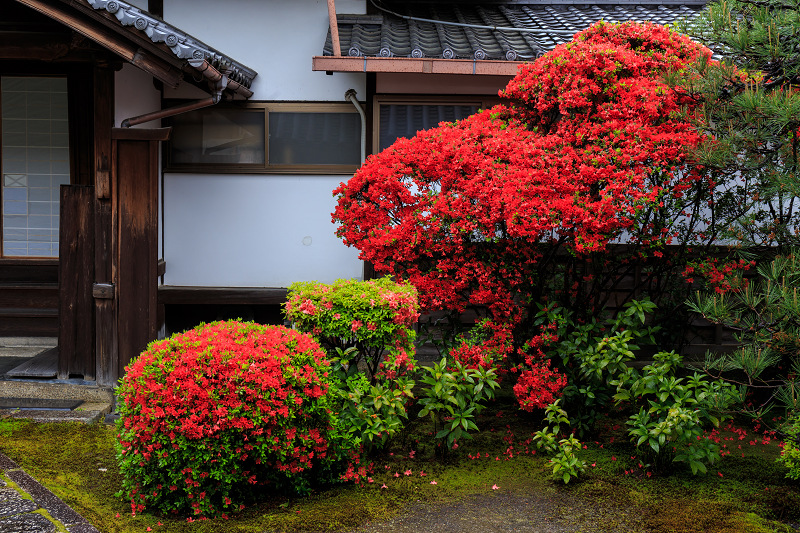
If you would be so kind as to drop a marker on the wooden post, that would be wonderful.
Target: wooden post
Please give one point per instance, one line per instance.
(76, 267)
(337, 47)
(135, 200)
(105, 316)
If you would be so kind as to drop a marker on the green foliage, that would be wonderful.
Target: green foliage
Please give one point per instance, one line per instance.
(566, 465)
(371, 413)
(453, 397)
(594, 354)
(765, 316)
(790, 454)
(9, 425)
(673, 412)
(752, 112)
(373, 316)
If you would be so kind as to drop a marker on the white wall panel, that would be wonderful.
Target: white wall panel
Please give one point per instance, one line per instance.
(135, 94)
(253, 231)
(277, 38)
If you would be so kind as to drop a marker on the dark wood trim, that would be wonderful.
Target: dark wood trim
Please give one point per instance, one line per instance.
(156, 7)
(100, 28)
(310, 170)
(181, 294)
(81, 126)
(140, 134)
(21, 261)
(106, 345)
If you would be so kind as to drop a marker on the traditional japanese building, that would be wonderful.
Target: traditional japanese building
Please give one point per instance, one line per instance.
(170, 161)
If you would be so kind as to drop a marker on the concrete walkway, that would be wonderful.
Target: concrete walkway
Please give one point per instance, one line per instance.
(28, 507)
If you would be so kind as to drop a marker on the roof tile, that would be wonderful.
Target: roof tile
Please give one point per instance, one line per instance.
(548, 25)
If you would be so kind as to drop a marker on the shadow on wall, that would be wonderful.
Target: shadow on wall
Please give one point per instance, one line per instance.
(183, 317)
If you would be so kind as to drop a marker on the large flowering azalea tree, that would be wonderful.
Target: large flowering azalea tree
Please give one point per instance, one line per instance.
(591, 146)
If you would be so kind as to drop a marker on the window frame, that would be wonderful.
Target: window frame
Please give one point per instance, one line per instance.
(481, 101)
(266, 167)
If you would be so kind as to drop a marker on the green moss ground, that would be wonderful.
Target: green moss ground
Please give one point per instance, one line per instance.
(745, 492)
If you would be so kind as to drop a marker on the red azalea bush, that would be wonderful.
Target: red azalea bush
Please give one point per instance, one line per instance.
(211, 415)
(373, 316)
(592, 146)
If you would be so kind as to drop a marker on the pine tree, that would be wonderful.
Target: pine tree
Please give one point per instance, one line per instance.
(752, 110)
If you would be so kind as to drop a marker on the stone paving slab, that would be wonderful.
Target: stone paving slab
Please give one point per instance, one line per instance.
(14, 506)
(27, 523)
(19, 514)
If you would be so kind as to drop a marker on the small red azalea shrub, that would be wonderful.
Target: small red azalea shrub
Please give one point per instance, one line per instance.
(376, 317)
(209, 416)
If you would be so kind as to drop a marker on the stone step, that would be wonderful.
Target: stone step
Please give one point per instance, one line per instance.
(28, 342)
(86, 412)
(56, 391)
(54, 402)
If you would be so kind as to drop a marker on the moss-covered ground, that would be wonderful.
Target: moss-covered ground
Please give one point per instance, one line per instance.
(746, 492)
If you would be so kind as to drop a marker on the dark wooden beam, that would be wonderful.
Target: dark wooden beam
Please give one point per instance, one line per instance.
(138, 134)
(108, 34)
(178, 294)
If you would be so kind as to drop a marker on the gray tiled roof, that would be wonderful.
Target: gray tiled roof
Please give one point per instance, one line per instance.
(181, 44)
(387, 35)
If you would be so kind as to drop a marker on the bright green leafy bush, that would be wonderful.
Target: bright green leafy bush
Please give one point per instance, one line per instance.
(371, 412)
(210, 416)
(376, 317)
(453, 397)
(593, 355)
(790, 454)
(673, 412)
(565, 463)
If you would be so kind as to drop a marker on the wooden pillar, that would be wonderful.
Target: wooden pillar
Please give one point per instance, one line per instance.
(135, 212)
(105, 316)
(76, 353)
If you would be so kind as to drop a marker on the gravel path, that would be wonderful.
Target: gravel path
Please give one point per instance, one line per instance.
(513, 512)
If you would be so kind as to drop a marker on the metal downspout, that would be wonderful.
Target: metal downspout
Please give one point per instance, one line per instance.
(220, 82)
(350, 95)
(169, 112)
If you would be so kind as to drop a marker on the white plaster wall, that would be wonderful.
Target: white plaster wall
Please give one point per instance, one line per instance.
(135, 94)
(141, 4)
(277, 38)
(249, 231)
(252, 231)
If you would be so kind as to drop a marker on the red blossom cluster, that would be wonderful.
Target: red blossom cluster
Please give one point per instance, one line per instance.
(591, 137)
(208, 413)
(720, 275)
(538, 385)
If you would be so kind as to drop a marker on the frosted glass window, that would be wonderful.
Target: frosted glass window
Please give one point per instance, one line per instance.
(267, 137)
(405, 120)
(34, 162)
(297, 138)
(218, 136)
